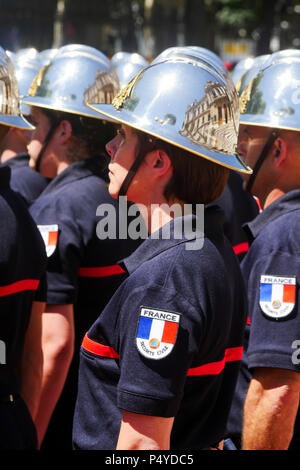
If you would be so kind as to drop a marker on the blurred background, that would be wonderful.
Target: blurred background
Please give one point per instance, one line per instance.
(234, 29)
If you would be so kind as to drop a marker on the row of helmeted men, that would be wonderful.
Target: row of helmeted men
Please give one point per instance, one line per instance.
(238, 205)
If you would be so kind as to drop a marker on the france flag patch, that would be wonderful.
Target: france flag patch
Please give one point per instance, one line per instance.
(277, 295)
(156, 332)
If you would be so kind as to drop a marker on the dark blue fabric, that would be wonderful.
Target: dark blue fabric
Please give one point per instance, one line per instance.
(22, 258)
(71, 201)
(239, 208)
(205, 288)
(17, 430)
(28, 183)
(274, 251)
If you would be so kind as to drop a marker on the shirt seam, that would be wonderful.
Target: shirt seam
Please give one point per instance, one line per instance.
(142, 395)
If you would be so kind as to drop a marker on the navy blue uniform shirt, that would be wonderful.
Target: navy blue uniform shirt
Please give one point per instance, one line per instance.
(271, 270)
(168, 343)
(82, 269)
(28, 183)
(22, 266)
(239, 208)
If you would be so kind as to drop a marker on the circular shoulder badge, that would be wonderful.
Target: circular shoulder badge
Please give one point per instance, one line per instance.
(156, 332)
(277, 295)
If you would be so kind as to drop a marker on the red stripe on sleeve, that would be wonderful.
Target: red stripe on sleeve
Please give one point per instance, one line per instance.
(241, 248)
(99, 349)
(19, 286)
(215, 368)
(102, 271)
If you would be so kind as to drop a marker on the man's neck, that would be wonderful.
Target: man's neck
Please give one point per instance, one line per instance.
(62, 165)
(158, 214)
(272, 197)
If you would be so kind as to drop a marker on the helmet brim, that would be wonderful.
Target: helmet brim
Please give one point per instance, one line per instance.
(230, 161)
(16, 121)
(48, 104)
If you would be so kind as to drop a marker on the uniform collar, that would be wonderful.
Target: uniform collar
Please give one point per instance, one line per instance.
(5, 173)
(286, 203)
(155, 244)
(21, 159)
(76, 171)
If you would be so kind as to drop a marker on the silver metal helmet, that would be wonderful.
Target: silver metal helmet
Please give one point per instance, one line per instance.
(198, 51)
(272, 98)
(71, 78)
(257, 63)
(83, 49)
(283, 54)
(206, 56)
(132, 57)
(185, 102)
(47, 55)
(11, 55)
(241, 67)
(10, 114)
(128, 65)
(31, 53)
(26, 70)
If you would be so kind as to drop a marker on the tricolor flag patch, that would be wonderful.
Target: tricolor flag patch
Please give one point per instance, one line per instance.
(50, 236)
(277, 295)
(156, 332)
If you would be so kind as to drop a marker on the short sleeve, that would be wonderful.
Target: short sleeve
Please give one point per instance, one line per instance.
(273, 293)
(64, 246)
(159, 334)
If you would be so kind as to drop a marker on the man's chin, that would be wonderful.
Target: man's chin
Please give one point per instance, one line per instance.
(32, 163)
(114, 194)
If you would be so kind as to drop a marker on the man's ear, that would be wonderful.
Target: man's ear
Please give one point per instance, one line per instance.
(280, 152)
(64, 131)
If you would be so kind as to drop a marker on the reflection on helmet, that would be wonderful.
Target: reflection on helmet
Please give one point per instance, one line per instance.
(272, 98)
(127, 65)
(71, 77)
(9, 95)
(26, 70)
(184, 101)
(257, 63)
(241, 67)
(208, 57)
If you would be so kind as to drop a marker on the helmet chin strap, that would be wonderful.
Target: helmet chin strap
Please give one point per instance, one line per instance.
(147, 145)
(271, 139)
(46, 142)
(131, 173)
